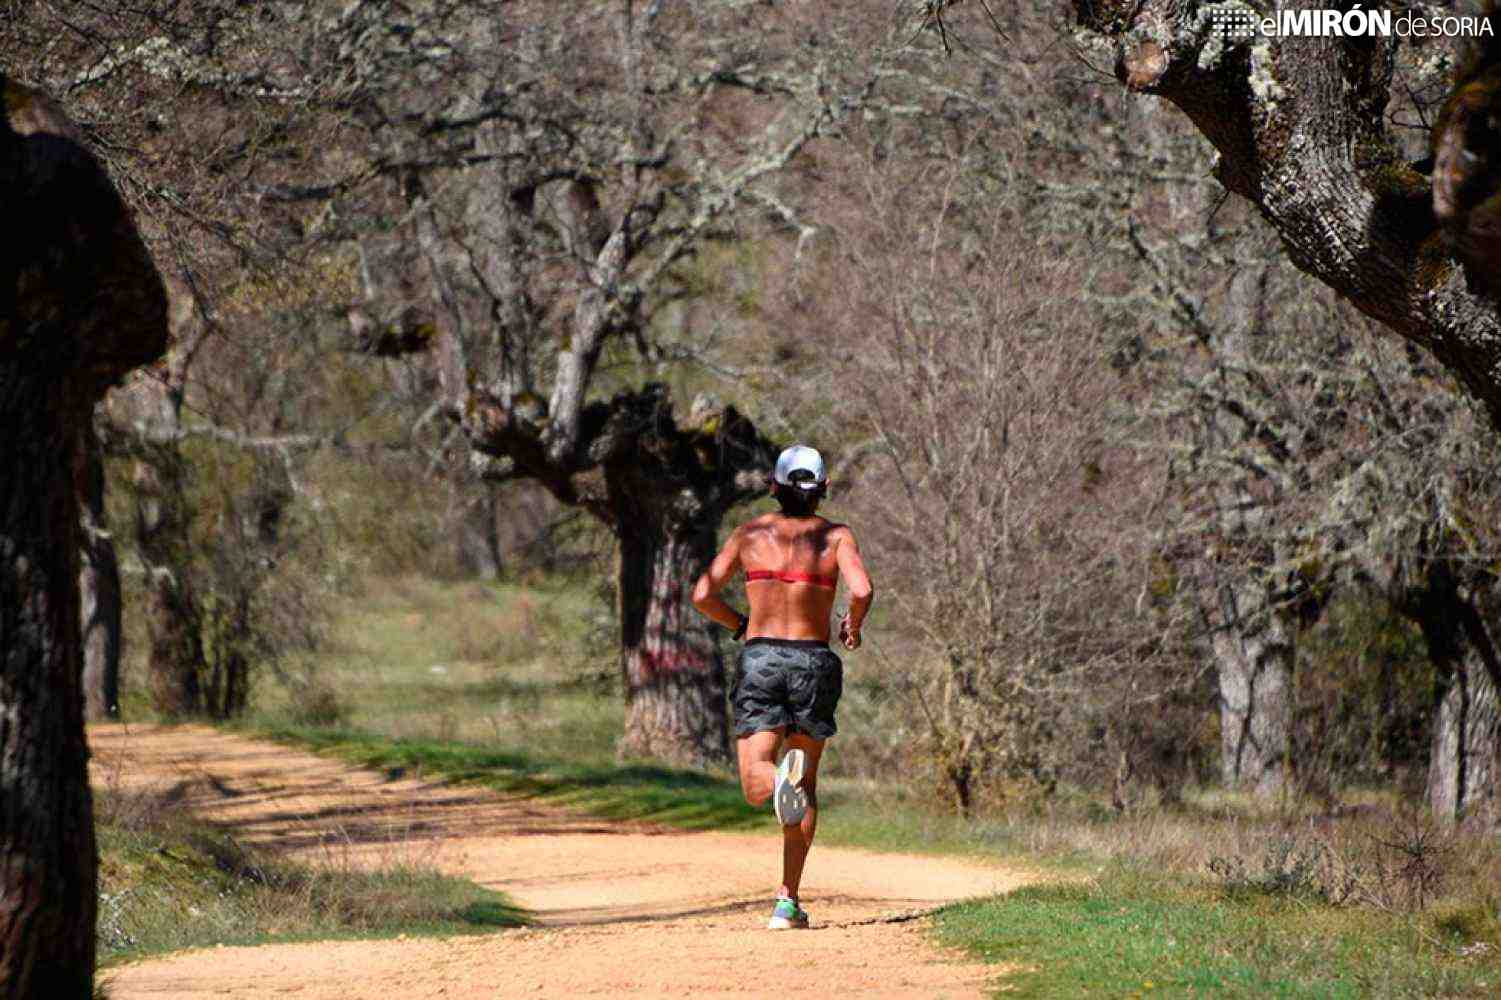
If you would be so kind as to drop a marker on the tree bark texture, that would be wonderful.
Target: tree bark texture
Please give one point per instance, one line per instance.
(80, 305)
(1462, 771)
(1254, 656)
(99, 590)
(1300, 129)
(663, 488)
(1254, 644)
(1463, 759)
(674, 675)
(147, 423)
(1466, 737)
(226, 673)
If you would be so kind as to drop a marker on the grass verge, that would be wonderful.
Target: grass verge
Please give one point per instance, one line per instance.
(498, 685)
(1129, 932)
(855, 813)
(692, 800)
(167, 881)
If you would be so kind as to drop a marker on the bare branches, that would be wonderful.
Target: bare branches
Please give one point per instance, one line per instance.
(929, 17)
(1300, 129)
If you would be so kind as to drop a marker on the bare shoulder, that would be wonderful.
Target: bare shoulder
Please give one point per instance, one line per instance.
(750, 531)
(839, 533)
(757, 525)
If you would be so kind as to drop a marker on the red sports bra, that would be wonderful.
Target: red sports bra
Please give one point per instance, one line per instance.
(787, 576)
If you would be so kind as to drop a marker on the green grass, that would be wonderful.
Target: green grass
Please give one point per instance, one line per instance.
(502, 664)
(855, 813)
(516, 687)
(684, 798)
(527, 702)
(167, 881)
(1131, 933)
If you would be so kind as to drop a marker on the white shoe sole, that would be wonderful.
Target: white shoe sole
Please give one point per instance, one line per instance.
(790, 801)
(783, 924)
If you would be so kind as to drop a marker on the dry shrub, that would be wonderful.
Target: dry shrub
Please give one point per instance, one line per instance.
(994, 472)
(1402, 866)
(136, 810)
(317, 703)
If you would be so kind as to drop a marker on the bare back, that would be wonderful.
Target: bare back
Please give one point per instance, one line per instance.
(806, 547)
(792, 566)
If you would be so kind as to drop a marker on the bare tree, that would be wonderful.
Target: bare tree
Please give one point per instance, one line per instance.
(1347, 467)
(559, 230)
(993, 452)
(83, 305)
(1300, 127)
(553, 170)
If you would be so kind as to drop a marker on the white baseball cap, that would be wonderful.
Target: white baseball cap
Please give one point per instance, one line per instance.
(800, 458)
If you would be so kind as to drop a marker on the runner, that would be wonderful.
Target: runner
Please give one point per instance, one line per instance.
(790, 680)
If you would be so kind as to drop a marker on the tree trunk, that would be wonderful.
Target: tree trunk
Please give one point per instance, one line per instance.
(1254, 655)
(226, 673)
(1300, 125)
(477, 535)
(174, 662)
(674, 676)
(1254, 645)
(47, 857)
(99, 590)
(1463, 764)
(163, 518)
(80, 305)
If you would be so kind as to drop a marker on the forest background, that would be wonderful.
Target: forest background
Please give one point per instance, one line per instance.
(512, 302)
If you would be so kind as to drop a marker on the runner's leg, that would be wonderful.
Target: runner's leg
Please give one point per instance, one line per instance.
(797, 839)
(758, 770)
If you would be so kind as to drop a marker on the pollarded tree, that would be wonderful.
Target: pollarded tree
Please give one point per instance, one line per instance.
(577, 177)
(552, 169)
(1301, 130)
(80, 305)
(1318, 460)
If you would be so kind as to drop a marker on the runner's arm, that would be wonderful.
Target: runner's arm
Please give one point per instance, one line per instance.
(852, 568)
(706, 591)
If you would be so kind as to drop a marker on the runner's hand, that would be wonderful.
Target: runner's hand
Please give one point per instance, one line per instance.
(850, 638)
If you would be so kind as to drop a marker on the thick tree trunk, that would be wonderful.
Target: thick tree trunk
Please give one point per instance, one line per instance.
(226, 674)
(99, 590)
(163, 518)
(1253, 645)
(1463, 763)
(47, 856)
(477, 535)
(80, 304)
(1254, 656)
(674, 676)
(663, 489)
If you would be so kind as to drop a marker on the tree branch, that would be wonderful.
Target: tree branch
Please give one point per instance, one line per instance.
(1299, 127)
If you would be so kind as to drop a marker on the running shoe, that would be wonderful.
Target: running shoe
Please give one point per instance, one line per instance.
(789, 800)
(787, 915)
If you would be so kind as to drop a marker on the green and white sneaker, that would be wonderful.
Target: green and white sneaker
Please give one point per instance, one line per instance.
(788, 799)
(787, 915)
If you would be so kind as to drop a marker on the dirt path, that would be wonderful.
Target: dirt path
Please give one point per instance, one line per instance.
(623, 909)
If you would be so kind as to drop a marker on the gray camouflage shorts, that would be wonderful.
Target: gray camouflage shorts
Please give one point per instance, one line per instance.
(788, 682)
